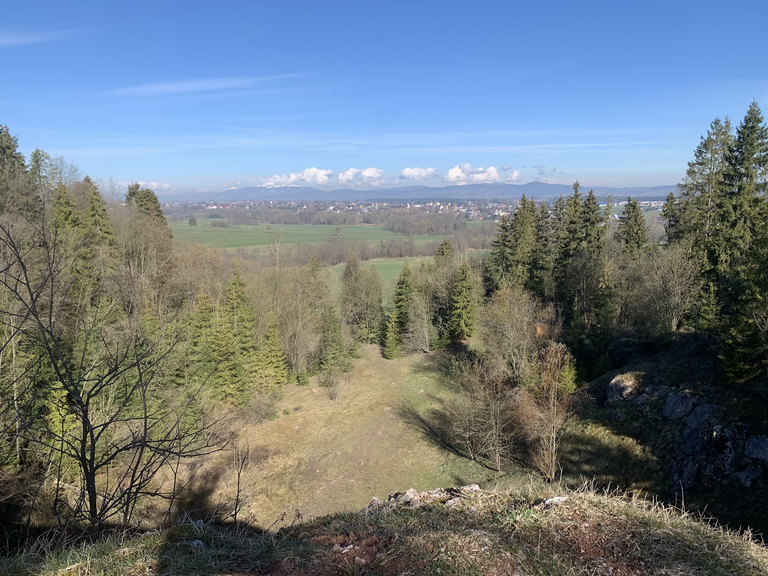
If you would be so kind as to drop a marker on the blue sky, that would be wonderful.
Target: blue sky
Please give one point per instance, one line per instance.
(208, 96)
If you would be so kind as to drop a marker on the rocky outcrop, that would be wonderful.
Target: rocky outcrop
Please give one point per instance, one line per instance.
(622, 387)
(678, 405)
(757, 447)
(707, 455)
(701, 415)
(448, 497)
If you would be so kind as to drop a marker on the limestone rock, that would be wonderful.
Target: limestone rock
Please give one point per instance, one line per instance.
(678, 405)
(621, 387)
(757, 447)
(701, 415)
(749, 475)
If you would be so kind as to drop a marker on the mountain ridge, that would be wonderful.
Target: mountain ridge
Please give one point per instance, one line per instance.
(493, 191)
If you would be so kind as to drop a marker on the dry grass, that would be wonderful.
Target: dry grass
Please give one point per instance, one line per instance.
(487, 533)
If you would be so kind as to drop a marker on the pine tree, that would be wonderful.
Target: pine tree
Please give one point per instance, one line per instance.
(445, 253)
(333, 355)
(741, 248)
(593, 226)
(632, 232)
(65, 216)
(541, 280)
(97, 226)
(462, 320)
(402, 299)
(391, 348)
(702, 189)
(502, 251)
(271, 367)
(571, 237)
(671, 215)
(523, 242)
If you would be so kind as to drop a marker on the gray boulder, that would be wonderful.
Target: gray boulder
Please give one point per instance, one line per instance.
(701, 415)
(622, 386)
(749, 475)
(678, 405)
(757, 447)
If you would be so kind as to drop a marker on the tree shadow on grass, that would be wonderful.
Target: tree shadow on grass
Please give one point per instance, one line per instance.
(436, 428)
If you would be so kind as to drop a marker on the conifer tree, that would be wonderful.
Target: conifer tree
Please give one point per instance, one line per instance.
(64, 213)
(541, 280)
(741, 249)
(333, 355)
(593, 227)
(632, 232)
(402, 299)
(97, 227)
(523, 242)
(445, 252)
(700, 193)
(462, 320)
(391, 348)
(271, 368)
(502, 252)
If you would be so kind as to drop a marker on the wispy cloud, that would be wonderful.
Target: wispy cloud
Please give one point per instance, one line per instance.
(202, 85)
(16, 39)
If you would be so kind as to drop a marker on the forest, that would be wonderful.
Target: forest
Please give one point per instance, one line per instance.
(124, 354)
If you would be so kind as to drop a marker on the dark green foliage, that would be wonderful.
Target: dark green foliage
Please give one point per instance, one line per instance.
(333, 354)
(632, 232)
(462, 320)
(145, 201)
(542, 280)
(502, 252)
(402, 300)
(11, 160)
(593, 226)
(97, 228)
(445, 252)
(271, 368)
(392, 338)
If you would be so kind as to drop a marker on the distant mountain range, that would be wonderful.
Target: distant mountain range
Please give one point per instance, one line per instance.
(537, 190)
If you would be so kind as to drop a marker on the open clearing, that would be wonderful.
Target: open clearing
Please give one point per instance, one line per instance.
(264, 235)
(327, 456)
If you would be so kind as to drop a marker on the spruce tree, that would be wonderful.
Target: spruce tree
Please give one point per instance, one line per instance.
(593, 227)
(445, 253)
(541, 280)
(741, 249)
(632, 232)
(271, 368)
(462, 320)
(333, 355)
(523, 242)
(402, 300)
(502, 252)
(391, 347)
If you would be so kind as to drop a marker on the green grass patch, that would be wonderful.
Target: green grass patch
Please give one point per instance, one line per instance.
(264, 235)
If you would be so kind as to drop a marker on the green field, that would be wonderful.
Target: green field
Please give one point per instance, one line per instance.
(388, 269)
(263, 235)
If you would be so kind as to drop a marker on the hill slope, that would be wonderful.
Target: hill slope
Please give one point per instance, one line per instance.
(480, 533)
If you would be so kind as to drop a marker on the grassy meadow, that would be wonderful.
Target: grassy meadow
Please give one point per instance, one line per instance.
(323, 456)
(264, 235)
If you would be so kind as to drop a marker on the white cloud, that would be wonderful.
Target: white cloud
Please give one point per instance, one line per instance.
(417, 173)
(7, 39)
(199, 85)
(464, 173)
(348, 175)
(156, 186)
(371, 176)
(308, 176)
